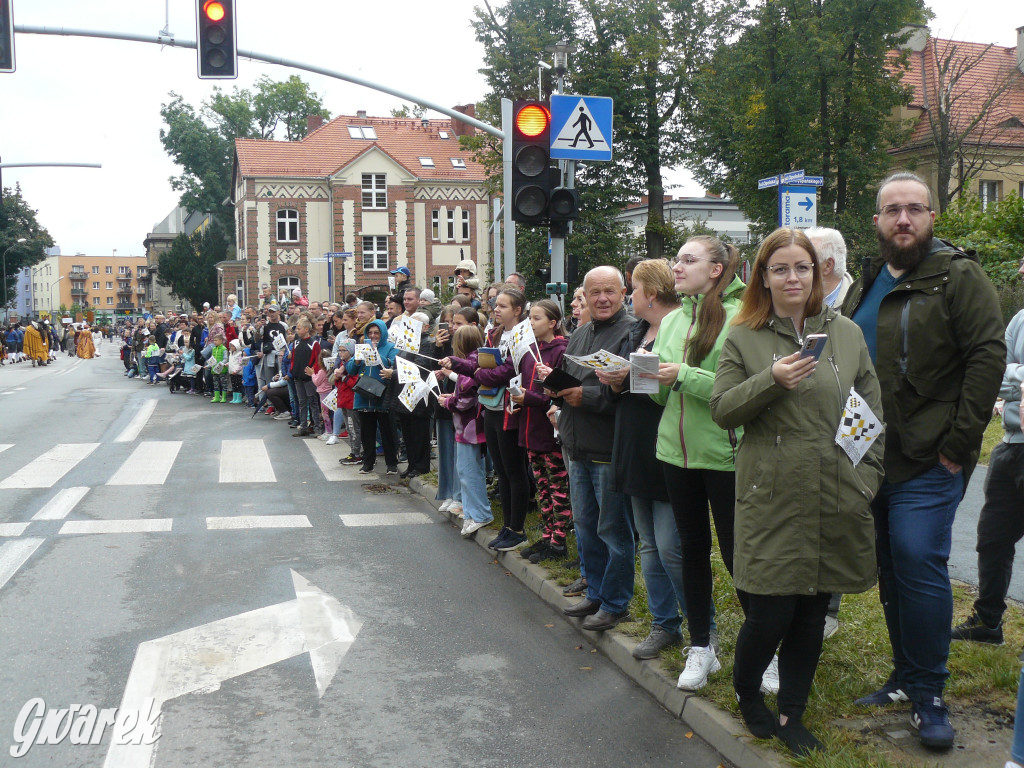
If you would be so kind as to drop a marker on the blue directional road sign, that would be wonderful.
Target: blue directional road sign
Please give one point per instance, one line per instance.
(581, 127)
(798, 206)
(768, 182)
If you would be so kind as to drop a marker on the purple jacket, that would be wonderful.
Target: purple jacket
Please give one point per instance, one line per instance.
(466, 416)
(535, 431)
(489, 377)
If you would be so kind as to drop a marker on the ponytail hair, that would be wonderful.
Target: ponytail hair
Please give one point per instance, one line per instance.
(711, 316)
(553, 312)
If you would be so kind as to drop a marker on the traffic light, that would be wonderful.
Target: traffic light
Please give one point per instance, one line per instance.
(563, 208)
(531, 160)
(6, 36)
(215, 39)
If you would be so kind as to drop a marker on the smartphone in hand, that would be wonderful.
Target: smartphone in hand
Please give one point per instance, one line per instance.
(814, 345)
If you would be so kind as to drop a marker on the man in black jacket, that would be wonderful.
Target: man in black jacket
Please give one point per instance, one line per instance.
(586, 426)
(267, 357)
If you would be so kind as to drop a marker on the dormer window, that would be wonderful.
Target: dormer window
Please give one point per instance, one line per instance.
(459, 163)
(362, 132)
(442, 134)
(427, 162)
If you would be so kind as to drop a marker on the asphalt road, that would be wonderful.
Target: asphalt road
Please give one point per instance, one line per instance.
(377, 639)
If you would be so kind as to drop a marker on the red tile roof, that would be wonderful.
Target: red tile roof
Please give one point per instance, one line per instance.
(330, 148)
(987, 68)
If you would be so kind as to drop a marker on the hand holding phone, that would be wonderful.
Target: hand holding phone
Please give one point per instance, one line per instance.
(813, 346)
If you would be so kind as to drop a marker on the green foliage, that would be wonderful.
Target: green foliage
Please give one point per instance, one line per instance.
(406, 112)
(202, 141)
(996, 234)
(18, 220)
(189, 267)
(804, 86)
(675, 233)
(642, 53)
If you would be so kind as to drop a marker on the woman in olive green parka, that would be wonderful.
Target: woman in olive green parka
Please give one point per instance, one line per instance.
(803, 521)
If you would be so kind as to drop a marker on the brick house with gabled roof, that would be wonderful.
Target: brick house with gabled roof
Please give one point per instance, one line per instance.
(393, 192)
(974, 79)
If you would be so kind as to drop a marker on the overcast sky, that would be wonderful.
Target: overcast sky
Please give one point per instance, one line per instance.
(89, 100)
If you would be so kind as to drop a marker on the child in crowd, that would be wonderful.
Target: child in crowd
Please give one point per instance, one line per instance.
(153, 359)
(469, 434)
(219, 368)
(344, 382)
(236, 360)
(448, 492)
(321, 380)
(537, 435)
(249, 378)
(174, 373)
(188, 365)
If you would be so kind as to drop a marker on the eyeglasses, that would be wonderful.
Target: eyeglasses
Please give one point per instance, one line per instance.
(912, 209)
(687, 260)
(781, 271)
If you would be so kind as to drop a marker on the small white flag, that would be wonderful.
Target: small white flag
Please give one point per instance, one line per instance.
(407, 372)
(859, 427)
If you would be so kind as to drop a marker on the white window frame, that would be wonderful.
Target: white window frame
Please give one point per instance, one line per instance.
(288, 224)
(427, 162)
(465, 225)
(110, 299)
(110, 285)
(96, 270)
(375, 191)
(362, 132)
(108, 270)
(375, 247)
(451, 224)
(442, 134)
(459, 163)
(124, 271)
(95, 285)
(435, 224)
(95, 301)
(988, 191)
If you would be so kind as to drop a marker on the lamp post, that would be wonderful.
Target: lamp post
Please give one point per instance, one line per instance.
(52, 286)
(16, 243)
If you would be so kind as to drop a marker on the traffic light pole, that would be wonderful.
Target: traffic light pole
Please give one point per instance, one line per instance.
(509, 230)
(566, 174)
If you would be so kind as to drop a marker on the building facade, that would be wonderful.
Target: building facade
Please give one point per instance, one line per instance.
(969, 90)
(718, 213)
(386, 192)
(104, 285)
(158, 298)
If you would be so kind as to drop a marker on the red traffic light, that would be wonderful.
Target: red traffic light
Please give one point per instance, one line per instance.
(213, 10)
(532, 120)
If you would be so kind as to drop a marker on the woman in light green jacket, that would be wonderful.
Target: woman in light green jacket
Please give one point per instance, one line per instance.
(803, 518)
(698, 456)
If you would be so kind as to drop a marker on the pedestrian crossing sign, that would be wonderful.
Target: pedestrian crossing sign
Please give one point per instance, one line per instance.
(581, 127)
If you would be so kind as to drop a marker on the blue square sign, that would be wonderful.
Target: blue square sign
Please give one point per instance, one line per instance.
(581, 127)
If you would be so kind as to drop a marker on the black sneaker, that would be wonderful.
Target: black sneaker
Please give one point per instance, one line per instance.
(492, 544)
(351, 459)
(977, 631)
(303, 431)
(538, 546)
(551, 552)
(512, 542)
(889, 693)
(931, 719)
(392, 471)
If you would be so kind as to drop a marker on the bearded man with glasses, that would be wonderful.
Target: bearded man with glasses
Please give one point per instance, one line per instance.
(932, 324)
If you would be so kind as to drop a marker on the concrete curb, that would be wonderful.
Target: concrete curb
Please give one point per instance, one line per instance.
(717, 727)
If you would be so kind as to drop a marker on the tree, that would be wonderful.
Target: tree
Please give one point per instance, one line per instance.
(202, 141)
(189, 267)
(808, 84)
(963, 116)
(406, 112)
(18, 220)
(642, 53)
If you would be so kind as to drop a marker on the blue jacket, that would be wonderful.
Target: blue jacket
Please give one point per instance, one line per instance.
(387, 352)
(249, 371)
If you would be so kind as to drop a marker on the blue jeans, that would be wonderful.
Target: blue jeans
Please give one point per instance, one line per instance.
(154, 369)
(913, 536)
(661, 561)
(447, 476)
(603, 535)
(475, 504)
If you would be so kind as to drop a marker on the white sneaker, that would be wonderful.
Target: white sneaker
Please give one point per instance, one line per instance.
(700, 662)
(470, 527)
(831, 626)
(445, 505)
(331, 439)
(770, 678)
(281, 416)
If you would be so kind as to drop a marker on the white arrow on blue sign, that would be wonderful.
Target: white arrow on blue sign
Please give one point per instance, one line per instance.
(798, 207)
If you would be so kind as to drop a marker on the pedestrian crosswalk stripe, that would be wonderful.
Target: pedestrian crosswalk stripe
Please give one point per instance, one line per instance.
(60, 505)
(13, 555)
(149, 464)
(12, 529)
(245, 461)
(384, 518)
(135, 426)
(158, 525)
(326, 458)
(50, 467)
(5, 446)
(257, 521)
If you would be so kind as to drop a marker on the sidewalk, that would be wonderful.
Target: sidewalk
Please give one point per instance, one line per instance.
(889, 730)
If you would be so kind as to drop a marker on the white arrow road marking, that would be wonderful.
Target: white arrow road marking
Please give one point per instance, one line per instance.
(203, 657)
(245, 461)
(13, 555)
(50, 467)
(135, 426)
